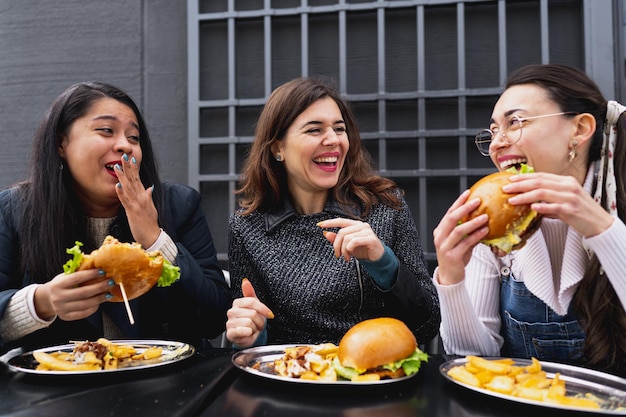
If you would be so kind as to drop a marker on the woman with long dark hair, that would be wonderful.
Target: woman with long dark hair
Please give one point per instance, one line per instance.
(323, 242)
(93, 173)
(562, 296)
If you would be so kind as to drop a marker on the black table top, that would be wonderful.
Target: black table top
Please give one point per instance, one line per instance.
(207, 384)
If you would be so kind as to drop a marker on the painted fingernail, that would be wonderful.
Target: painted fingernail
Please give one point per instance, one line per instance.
(125, 157)
(118, 167)
(133, 160)
(101, 272)
(119, 185)
(111, 283)
(108, 296)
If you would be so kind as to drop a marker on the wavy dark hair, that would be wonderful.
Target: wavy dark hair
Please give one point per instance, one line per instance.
(263, 182)
(53, 217)
(596, 304)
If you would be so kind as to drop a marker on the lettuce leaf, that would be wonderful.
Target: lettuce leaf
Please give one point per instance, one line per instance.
(77, 257)
(523, 169)
(411, 364)
(169, 275)
(344, 371)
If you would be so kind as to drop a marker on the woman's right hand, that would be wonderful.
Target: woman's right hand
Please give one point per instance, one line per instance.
(454, 241)
(72, 296)
(246, 318)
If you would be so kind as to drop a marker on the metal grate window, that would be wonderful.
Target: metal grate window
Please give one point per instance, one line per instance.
(422, 77)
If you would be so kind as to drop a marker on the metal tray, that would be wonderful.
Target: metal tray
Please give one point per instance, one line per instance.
(172, 352)
(264, 356)
(610, 390)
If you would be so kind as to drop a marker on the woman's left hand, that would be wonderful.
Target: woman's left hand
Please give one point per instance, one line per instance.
(560, 197)
(137, 201)
(355, 238)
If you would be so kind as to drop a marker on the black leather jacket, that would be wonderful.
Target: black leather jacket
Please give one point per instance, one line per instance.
(192, 310)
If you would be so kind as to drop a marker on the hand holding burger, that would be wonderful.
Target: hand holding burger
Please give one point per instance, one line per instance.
(509, 225)
(127, 264)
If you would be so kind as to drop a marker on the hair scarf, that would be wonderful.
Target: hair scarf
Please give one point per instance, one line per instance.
(606, 172)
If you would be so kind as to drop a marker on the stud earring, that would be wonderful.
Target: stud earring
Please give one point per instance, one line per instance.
(279, 157)
(572, 152)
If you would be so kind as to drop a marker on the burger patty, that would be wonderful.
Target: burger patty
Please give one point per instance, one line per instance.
(386, 373)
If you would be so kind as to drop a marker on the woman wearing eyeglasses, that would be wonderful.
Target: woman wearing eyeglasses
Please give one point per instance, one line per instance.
(562, 296)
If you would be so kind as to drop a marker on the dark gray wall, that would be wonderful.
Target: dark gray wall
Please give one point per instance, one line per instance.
(138, 45)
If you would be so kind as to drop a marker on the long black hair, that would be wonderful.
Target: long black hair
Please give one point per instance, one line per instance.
(52, 217)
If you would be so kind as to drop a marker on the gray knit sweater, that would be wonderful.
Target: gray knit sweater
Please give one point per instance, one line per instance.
(317, 297)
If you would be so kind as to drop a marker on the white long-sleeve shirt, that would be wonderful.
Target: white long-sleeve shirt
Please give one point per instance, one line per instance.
(551, 264)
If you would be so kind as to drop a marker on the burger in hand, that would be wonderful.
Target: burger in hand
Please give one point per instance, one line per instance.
(509, 225)
(127, 264)
(376, 349)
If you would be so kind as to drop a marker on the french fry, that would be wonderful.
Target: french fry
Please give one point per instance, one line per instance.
(501, 383)
(309, 362)
(461, 374)
(498, 368)
(523, 377)
(484, 376)
(311, 375)
(538, 380)
(531, 393)
(326, 349)
(528, 382)
(52, 363)
(117, 355)
(535, 367)
(110, 361)
(150, 353)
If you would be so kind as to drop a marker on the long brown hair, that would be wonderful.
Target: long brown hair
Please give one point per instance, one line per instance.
(263, 182)
(596, 304)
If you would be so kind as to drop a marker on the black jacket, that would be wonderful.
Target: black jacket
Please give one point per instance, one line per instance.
(192, 310)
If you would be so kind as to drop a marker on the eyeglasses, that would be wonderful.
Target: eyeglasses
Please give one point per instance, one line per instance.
(510, 135)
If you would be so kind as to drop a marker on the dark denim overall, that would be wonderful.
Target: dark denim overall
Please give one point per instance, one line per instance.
(532, 329)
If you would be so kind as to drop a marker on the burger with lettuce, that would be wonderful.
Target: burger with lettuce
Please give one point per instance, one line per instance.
(127, 264)
(379, 348)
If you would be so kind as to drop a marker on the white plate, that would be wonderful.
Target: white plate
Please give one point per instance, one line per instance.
(609, 389)
(172, 352)
(264, 356)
